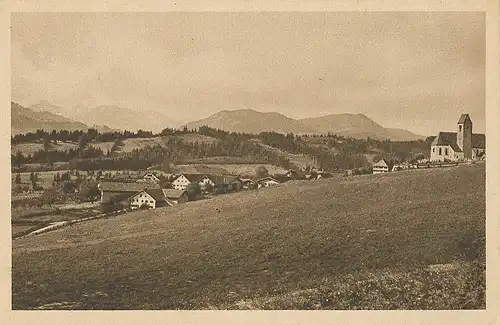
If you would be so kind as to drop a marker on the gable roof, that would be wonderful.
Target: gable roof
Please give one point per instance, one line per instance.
(381, 163)
(172, 194)
(156, 193)
(447, 139)
(126, 187)
(193, 178)
(463, 118)
(479, 141)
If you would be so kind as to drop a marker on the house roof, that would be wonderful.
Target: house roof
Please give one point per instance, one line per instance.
(157, 194)
(381, 163)
(479, 141)
(147, 173)
(193, 178)
(463, 118)
(172, 194)
(126, 187)
(447, 139)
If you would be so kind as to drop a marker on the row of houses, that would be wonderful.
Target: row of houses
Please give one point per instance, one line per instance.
(145, 190)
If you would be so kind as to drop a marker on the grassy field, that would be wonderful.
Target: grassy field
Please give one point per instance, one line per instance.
(45, 179)
(30, 148)
(405, 240)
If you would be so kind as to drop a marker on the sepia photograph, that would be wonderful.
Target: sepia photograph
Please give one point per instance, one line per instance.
(327, 160)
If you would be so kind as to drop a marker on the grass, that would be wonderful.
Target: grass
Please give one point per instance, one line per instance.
(272, 244)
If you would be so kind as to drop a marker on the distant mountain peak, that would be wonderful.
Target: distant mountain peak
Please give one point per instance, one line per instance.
(356, 125)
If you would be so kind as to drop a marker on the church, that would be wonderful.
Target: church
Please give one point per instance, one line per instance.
(460, 145)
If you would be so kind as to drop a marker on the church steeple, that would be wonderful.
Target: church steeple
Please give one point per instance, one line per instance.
(464, 135)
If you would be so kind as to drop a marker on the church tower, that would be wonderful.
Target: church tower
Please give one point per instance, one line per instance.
(464, 135)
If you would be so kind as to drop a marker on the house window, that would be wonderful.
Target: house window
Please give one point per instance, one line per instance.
(440, 151)
(446, 151)
(460, 128)
(433, 149)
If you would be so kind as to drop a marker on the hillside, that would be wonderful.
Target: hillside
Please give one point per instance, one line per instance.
(311, 241)
(25, 120)
(349, 125)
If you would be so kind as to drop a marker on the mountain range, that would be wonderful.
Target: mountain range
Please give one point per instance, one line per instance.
(25, 120)
(45, 115)
(114, 117)
(348, 125)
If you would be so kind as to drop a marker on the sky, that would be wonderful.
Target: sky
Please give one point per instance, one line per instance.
(413, 70)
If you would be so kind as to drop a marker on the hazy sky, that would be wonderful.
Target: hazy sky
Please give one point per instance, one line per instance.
(411, 70)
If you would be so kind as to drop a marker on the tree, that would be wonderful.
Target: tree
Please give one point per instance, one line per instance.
(261, 172)
(89, 193)
(193, 191)
(18, 178)
(46, 143)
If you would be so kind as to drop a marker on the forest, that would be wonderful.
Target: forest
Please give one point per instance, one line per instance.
(331, 152)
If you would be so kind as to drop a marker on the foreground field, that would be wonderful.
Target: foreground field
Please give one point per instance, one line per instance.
(402, 240)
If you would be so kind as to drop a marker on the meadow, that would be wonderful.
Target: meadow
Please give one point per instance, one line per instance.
(405, 240)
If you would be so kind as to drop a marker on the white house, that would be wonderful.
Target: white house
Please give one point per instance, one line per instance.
(382, 166)
(460, 145)
(266, 182)
(152, 198)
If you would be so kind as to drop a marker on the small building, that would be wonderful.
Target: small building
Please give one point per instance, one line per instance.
(266, 182)
(382, 166)
(174, 196)
(247, 183)
(153, 198)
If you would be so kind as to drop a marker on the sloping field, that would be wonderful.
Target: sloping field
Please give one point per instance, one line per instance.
(138, 143)
(298, 160)
(298, 240)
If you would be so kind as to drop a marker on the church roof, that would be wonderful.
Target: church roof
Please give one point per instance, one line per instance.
(450, 139)
(447, 139)
(463, 118)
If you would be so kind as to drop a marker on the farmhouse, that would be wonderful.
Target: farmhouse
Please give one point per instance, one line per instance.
(152, 198)
(382, 166)
(266, 182)
(174, 196)
(460, 145)
(111, 190)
